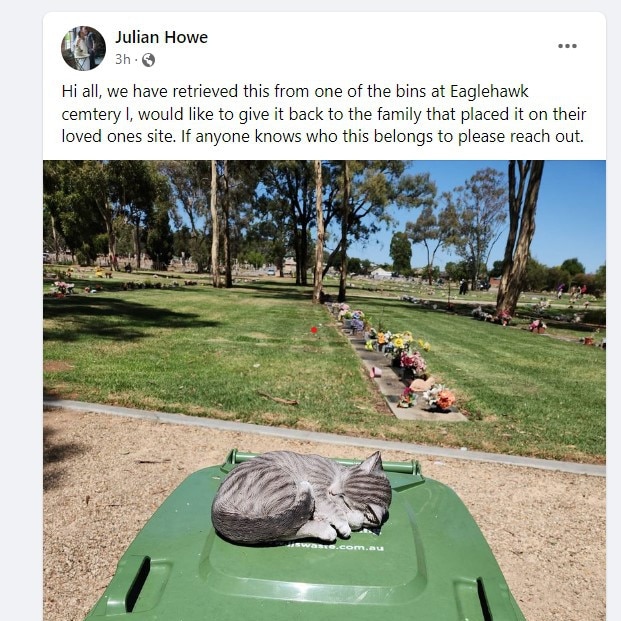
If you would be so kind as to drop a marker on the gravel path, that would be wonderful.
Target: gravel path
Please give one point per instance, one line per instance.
(104, 476)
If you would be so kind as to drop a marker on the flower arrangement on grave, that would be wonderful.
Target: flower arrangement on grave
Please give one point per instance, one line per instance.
(408, 398)
(60, 288)
(391, 347)
(504, 317)
(479, 313)
(439, 397)
(590, 340)
(395, 343)
(370, 343)
(401, 348)
(95, 289)
(537, 326)
(357, 321)
(383, 339)
(398, 343)
(413, 361)
(357, 325)
(344, 312)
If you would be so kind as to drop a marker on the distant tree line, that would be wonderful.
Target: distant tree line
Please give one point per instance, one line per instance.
(470, 220)
(260, 212)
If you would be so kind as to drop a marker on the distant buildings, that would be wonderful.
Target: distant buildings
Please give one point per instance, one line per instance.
(380, 273)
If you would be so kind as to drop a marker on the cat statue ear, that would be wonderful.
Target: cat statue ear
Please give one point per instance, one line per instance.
(372, 464)
(378, 511)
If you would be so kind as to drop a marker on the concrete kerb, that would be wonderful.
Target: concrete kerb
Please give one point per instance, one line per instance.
(328, 438)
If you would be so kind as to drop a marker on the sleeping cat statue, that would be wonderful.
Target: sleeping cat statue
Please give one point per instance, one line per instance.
(283, 496)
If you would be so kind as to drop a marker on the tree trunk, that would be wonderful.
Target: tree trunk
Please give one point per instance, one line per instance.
(298, 256)
(137, 246)
(303, 265)
(107, 214)
(344, 232)
(318, 281)
(522, 209)
(429, 263)
(215, 234)
(55, 239)
(228, 278)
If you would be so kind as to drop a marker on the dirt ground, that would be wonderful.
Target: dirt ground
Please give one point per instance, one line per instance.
(104, 476)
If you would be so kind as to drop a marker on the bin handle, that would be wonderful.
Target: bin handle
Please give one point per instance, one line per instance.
(406, 467)
(127, 584)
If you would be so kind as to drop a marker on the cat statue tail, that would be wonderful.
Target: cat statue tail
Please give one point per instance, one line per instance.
(263, 524)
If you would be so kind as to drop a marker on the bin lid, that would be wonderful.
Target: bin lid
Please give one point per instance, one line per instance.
(428, 562)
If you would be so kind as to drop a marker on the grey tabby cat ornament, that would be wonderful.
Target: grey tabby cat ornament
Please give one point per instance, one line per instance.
(283, 496)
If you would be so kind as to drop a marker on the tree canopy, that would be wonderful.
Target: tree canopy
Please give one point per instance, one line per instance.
(401, 253)
(481, 210)
(267, 212)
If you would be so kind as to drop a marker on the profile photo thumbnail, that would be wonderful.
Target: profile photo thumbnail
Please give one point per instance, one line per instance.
(83, 48)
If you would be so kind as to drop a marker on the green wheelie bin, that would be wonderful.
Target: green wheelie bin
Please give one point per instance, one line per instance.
(429, 562)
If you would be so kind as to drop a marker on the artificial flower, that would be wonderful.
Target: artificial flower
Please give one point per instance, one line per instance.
(413, 361)
(445, 399)
(408, 398)
(439, 396)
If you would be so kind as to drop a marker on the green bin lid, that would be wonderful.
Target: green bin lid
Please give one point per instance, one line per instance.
(429, 562)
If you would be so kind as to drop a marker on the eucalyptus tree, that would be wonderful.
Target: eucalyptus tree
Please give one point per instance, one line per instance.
(346, 210)
(94, 181)
(434, 228)
(266, 233)
(182, 243)
(318, 279)
(360, 198)
(160, 241)
(189, 182)
(481, 210)
(524, 183)
(401, 253)
(599, 280)
(215, 226)
(75, 194)
(293, 181)
(53, 239)
(238, 183)
(134, 189)
(56, 188)
(573, 266)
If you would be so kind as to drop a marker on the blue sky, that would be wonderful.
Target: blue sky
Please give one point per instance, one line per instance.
(570, 222)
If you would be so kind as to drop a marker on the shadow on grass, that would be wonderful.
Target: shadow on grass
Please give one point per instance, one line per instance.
(112, 318)
(288, 291)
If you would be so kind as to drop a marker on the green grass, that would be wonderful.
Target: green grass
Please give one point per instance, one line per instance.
(527, 393)
(244, 353)
(203, 351)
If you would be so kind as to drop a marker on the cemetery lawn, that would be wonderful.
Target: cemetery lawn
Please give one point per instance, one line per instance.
(248, 354)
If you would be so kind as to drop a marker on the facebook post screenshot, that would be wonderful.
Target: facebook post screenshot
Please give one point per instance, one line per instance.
(283, 379)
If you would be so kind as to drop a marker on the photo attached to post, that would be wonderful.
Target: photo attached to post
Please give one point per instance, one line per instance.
(326, 223)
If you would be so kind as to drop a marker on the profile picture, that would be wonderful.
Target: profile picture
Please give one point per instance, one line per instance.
(83, 48)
